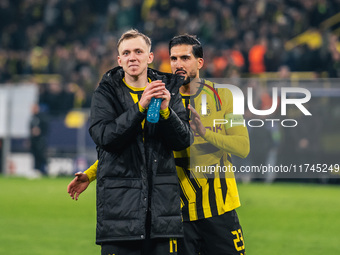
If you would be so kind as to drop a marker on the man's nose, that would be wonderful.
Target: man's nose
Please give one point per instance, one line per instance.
(179, 64)
(132, 56)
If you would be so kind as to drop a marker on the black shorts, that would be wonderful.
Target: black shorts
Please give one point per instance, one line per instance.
(161, 246)
(219, 235)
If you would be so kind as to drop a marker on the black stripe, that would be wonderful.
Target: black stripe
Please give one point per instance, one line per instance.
(187, 102)
(182, 162)
(223, 182)
(192, 102)
(212, 197)
(218, 104)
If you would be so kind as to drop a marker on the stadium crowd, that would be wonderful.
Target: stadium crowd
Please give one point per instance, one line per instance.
(76, 39)
(65, 46)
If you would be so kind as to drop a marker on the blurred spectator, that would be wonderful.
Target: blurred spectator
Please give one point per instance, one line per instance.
(39, 60)
(284, 72)
(76, 39)
(77, 97)
(161, 59)
(319, 11)
(128, 15)
(332, 59)
(38, 139)
(67, 45)
(56, 100)
(62, 61)
(257, 57)
(299, 23)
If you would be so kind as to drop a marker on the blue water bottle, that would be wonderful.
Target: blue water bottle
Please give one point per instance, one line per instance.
(153, 111)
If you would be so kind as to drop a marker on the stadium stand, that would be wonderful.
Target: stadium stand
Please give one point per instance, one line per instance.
(65, 46)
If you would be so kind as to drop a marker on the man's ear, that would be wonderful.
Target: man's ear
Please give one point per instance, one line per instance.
(200, 62)
(151, 56)
(119, 61)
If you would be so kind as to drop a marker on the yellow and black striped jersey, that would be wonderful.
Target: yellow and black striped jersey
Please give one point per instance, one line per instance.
(205, 195)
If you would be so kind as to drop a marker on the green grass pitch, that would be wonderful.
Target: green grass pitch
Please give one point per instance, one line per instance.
(37, 217)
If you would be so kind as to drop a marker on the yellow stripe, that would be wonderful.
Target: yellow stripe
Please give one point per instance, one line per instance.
(135, 88)
(232, 200)
(182, 203)
(218, 193)
(195, 177)
(205, 201)
(134, 97)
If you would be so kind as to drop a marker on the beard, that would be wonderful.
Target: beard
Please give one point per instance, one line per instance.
(187, 81)
(189, 77)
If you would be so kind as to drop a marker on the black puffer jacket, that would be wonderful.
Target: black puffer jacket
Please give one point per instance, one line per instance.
(136, 176)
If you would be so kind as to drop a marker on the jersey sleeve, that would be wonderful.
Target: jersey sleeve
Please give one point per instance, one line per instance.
(91, 172)
(165, 113)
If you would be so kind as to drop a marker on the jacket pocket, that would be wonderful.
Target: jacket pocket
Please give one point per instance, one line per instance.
(166, 216)
(166, 200)
(122, 198)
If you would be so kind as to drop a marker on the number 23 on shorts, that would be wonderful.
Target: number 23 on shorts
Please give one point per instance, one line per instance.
(238, 240)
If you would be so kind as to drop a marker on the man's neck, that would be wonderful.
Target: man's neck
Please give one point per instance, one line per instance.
(185, 89)
(137, 81)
